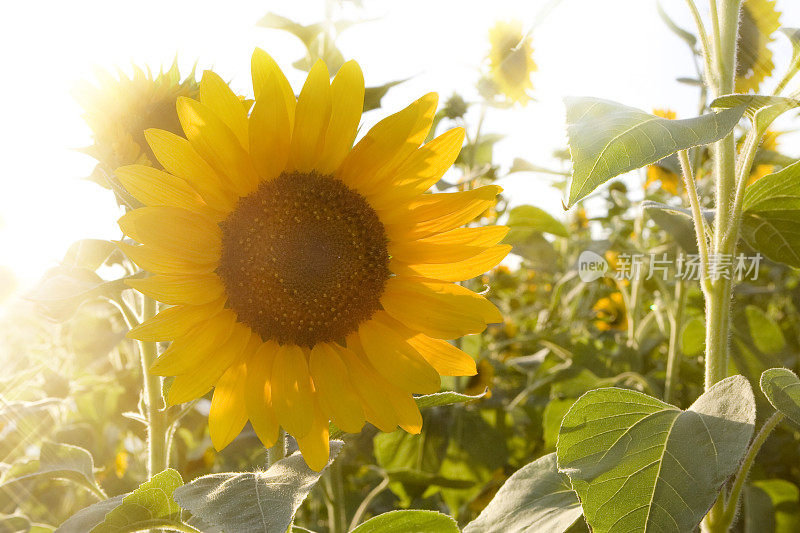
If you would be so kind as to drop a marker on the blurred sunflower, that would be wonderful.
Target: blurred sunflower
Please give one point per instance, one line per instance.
(511, 60)
(657, 174)
(611, 313)
(312, 280)
(759, 21)
(768, 143)
(120, 109)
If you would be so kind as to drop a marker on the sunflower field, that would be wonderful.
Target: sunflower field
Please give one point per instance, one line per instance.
(425, 277)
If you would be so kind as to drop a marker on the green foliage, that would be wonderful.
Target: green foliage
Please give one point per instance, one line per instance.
(782, 388)
(766, 334)
(411, 521)
(537, 494)
(771, 222)
(526, 220)
(607, 139)
(237, 501)
(771, 505)
(640, 464)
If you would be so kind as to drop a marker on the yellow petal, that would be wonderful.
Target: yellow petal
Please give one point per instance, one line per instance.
(423, 169)
(174, 322)
(154, 187)
(188, 351)
(367, 382)
(443, 356)
(440, 310)
(163, 263)
(347, 103)
(434, 213)
(394, 358)
(311, 119)
(194, 289)
(175, 231)
(263, 67)
(460, 271)
(315, 446)
(292, 390)
(217, 144)
(335, 392)
(387, 145)
(258, 393)
(270, 131)
(194, 384)
(408, 416)
(448, 247)
(228, 414)
(220, 99)
(178, 157)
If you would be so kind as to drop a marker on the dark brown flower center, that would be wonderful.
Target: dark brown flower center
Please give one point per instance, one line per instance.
(304, 259)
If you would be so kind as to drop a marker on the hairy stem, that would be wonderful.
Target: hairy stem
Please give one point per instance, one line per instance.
(733, 499)
(157, 456)
(674, 356)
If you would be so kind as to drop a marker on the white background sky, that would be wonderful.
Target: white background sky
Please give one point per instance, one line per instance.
(615, 49)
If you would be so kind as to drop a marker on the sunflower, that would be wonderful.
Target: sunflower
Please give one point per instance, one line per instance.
(759, 22)
(120, 109)
(310, 280)
(511, 60)
(611, 313)
(768, 144)
(657, 174)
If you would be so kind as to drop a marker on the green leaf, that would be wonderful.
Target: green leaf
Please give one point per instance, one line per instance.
(693, 337)
(252, 501)
(536, 498)
(771, 505)
(762, 110)
(676, 221)
(88, 517)
(445, 398)
(307, 34)
(522, 165)
(607, 139)
(687, 37)
(771, 215)
(409, 522)
(149, 506)
(782, 388)
(374, 95)
(63, 290)
(89, 253)
(766, 334)
(58, 461)
(525, 220)
(639, 464)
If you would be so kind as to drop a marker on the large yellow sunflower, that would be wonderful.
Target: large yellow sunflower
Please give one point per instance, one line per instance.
(310, 280)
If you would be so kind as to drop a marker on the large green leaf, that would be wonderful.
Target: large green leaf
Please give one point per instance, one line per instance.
(88, 517)
(149, 506)
(525, 220)
(771, 506)
(57, 461)
(409, 522)
(762, 110)
(782, 388)
(536, 498)
(771, 220)
(607, 139)
(639, 464)
(766, 334)
(263, 501)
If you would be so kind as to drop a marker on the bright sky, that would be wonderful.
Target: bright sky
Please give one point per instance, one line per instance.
(615, 49)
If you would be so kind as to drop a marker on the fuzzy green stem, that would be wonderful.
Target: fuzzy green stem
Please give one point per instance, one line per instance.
(697, 215)
(674, 356)
(157, 457)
